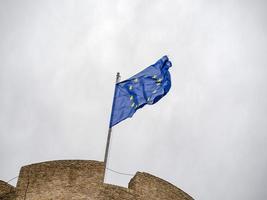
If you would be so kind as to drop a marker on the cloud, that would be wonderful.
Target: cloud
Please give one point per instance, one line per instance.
(58, 62)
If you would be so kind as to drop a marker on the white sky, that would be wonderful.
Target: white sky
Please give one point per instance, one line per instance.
(58, 61)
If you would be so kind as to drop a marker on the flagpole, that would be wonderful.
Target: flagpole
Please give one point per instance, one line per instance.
(109, 132)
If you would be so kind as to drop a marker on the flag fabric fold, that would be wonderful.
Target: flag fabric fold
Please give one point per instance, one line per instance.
(146, 87)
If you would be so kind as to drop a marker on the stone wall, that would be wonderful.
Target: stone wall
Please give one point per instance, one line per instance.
(57, 179)
(83, 179)
(152, 187)
(7, 192)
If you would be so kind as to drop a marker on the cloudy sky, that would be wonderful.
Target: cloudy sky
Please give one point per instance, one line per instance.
(58, 61)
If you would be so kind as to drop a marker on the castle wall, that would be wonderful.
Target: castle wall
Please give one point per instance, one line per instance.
(7, 191)
(80, 179)
(152, 187)
(60, 180)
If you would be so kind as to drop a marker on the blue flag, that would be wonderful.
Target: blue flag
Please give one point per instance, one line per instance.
(146, 87)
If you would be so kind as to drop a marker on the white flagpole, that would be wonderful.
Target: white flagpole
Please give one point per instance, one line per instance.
(109, 133)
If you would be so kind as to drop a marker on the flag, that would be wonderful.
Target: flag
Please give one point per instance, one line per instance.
(146, 87)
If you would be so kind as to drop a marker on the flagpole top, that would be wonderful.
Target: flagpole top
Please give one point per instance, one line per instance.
(118, 76)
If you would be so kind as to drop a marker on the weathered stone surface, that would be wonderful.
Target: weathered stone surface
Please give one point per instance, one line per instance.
(60, 180)
(83, 180)
(7, 192)
(152, 187)
(116, 192)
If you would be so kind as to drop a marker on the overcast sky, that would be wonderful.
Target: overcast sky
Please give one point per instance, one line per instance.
(58, 62)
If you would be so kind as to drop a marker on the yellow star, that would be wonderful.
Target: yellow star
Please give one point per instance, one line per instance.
(159, 80)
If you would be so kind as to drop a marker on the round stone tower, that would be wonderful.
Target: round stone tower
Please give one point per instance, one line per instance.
(83, 179)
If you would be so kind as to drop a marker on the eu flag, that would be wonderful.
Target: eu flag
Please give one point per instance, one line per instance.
(146, 87)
